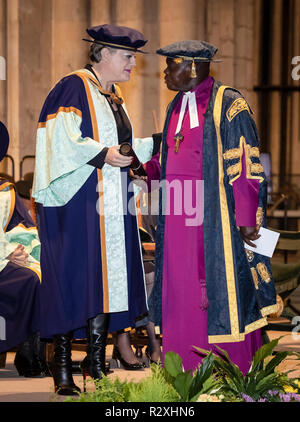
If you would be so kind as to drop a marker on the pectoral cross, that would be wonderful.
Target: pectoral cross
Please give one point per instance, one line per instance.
(177, 138)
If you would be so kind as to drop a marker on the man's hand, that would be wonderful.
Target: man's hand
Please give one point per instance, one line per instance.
(115, 159)
(19, 256)
(249, 233)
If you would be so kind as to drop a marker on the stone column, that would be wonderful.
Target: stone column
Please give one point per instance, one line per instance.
(296, 95)
(100, 12)
(179, 20)
(3, 72)
(70, 18)
(220, 31)
(13, 86)
(275, 102)
(3, 61)
(35, 72)
(243, 48)
(122, 14)
(151, 73)
(256, 57)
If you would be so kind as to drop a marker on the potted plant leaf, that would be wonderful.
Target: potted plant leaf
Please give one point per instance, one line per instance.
(261, 378)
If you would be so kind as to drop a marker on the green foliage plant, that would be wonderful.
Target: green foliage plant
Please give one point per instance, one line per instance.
(261, 378)
(166, 384)
(106, 390)
(154, 389)
(217, 376)
(190, 385)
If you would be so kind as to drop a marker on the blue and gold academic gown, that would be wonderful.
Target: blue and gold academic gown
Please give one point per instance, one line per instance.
(240, 287)
(91, 258)
(19, 286)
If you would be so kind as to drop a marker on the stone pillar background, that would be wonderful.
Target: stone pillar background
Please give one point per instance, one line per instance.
(296, 98)
(178, 21)
(3, 61)
(3, 71)
(133, 91)
(276, 80)
(69, 20)
(12, 79)
(34, 70)
(100, 12)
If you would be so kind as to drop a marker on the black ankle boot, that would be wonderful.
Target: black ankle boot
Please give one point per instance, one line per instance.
(61, 366)
(94, 362)
(30, 358)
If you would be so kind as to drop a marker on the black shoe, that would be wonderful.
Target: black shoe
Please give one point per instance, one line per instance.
(27, 368)
(76, 367)
(126, 365)
(30, 358)
(94, 364)
(148, 355)
(61, 366)
(139, 351)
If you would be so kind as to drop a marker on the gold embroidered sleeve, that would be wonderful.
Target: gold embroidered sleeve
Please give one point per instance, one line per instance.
(263, 272)
(231, 154)
(256, 168)
(254, 152)
(259, 216)
(234, 169)
(236, 107)
(253, 169)
(255, 277)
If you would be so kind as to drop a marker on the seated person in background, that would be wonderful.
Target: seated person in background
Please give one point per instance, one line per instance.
(23, 188)
(28, 177)
(148, 210)
(7, 177)
(149, 200)
(19, 277)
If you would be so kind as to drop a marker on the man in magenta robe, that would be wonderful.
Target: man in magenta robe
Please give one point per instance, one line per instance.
(207, 291)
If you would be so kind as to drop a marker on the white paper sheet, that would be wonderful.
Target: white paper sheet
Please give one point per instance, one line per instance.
(266, 244)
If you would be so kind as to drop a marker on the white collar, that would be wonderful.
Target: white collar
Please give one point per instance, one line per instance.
(190, 98)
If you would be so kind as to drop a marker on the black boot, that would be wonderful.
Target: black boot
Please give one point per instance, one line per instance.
(94, 362)
(61, 366)
(30, 358)
(39, 354)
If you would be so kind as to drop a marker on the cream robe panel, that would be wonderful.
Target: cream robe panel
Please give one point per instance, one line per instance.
(5, 208)
(28, 237)
(113, 203)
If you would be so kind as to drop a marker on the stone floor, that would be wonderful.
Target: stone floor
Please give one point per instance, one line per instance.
(14, 388)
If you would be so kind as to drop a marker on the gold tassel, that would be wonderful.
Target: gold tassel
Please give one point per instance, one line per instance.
(193, 71)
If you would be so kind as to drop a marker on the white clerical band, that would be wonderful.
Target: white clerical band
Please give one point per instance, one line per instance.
(190, 98)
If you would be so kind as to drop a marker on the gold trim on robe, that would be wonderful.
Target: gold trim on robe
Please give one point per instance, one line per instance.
(101, 202)
(254, 276)
(236, 107)
(235, 335)
(235, 170)
(228, 255)
(12, 207)
(60, 109)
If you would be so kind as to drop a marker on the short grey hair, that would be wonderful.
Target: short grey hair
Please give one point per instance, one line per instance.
(95, 52)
